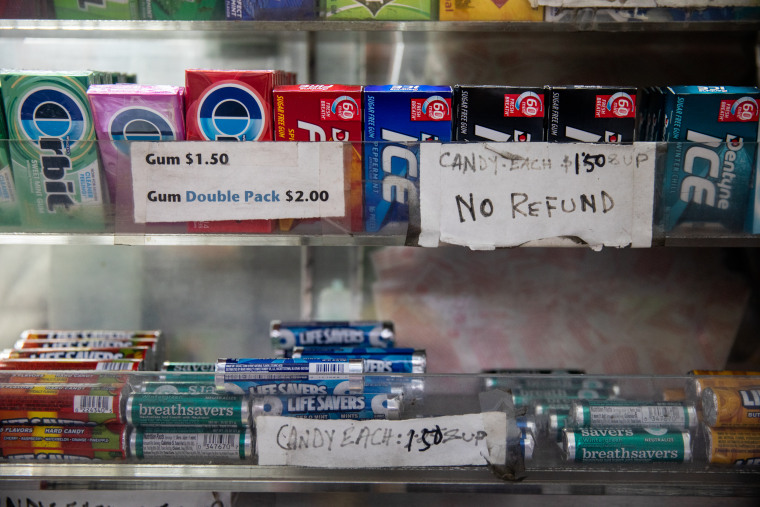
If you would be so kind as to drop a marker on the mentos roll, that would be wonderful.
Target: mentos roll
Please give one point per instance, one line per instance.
(590, 114)
(9, 211)
(498, 113)
(396, 119)
(96, 9)
(230, 105)
(131, 112)
(55, 165)
(271, 10)
(712, 131)
(325, 113)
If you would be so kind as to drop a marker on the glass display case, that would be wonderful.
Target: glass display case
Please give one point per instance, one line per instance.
(636, 320)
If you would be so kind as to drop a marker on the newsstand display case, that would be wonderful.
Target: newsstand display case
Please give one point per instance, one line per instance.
(592, 363)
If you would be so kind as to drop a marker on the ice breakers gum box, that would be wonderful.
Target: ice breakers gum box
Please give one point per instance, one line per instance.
(396, 119)
(712, 131)
(55, 165)
(132, 112)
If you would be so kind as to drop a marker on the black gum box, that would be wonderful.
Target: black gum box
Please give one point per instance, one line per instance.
(499, 113)
(590, 114)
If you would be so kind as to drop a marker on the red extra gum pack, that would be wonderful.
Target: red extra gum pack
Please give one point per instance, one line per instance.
(231, 105)
(332, 112)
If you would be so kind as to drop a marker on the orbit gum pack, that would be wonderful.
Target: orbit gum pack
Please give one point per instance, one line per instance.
(396, 119)
(231, 105)
(9, 212)
(55, 165)
(710, 165)
(132, 112)
(325, 113)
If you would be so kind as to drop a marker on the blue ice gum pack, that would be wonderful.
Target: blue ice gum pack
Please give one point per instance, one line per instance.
(709, 173)
(396, 119)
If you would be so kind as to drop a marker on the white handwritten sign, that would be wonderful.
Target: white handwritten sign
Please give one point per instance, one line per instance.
(473, 439)
(202, 181)
(507, 194)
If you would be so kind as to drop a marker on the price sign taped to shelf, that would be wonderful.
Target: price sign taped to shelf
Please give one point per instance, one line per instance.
(206, 181)
(493, 195)
(461, 440)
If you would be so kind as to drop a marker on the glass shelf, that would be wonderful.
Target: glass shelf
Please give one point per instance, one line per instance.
(230, 29)
(108, 239)
(114, 222)
(238, 478)
(442, 397)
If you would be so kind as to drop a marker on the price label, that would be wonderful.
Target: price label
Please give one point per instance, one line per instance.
(507, 194)
(473, 439)
(206, 181)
